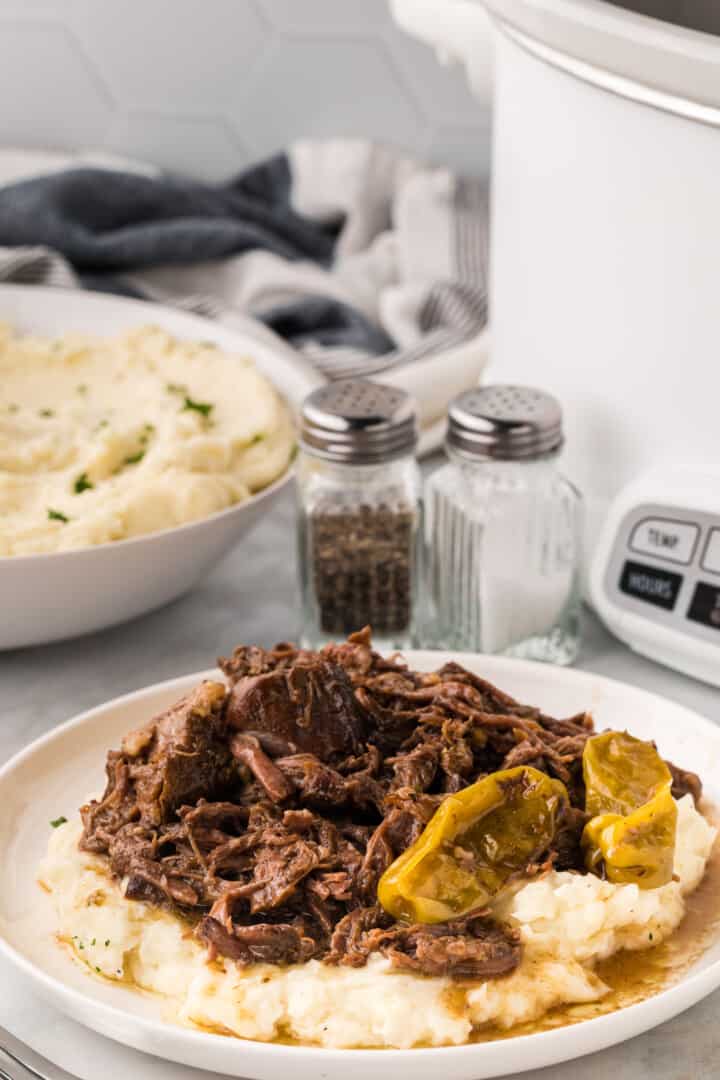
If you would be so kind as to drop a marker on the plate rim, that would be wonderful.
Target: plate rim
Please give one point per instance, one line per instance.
(541, 1048)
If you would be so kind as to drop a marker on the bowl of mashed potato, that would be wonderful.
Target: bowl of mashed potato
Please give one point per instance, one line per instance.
(137, 446)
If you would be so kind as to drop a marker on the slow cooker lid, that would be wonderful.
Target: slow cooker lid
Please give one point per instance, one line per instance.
(668, 47)
(703, 15)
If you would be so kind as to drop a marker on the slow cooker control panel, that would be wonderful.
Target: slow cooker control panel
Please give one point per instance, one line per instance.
(665, 566)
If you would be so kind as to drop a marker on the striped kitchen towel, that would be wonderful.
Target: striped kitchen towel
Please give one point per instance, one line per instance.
(365, 261)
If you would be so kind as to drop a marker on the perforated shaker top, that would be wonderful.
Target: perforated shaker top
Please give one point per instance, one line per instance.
(505, 423)
(359, 422)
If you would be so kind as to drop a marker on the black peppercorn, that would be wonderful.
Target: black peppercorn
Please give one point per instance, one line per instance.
(362, 564)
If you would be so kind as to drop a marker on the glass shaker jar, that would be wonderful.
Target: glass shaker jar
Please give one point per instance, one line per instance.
(504, 530)
(359, 513)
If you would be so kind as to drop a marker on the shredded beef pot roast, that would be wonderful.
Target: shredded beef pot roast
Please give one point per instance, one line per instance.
(267, 813)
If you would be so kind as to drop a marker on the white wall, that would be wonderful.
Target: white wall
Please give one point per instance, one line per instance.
(207, 85)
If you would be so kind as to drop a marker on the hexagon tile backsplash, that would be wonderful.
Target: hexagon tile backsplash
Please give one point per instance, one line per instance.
(206, 86)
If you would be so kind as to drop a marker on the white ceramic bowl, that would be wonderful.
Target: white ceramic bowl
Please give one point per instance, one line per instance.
(48, 597)
(56, 774)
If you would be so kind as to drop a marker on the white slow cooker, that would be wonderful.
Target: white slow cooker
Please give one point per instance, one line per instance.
(606, 217)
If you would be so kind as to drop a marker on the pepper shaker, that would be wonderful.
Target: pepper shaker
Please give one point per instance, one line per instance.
(503, 530)
(359, 513)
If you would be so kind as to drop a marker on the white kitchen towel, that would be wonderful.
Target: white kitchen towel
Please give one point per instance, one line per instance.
(365, 261)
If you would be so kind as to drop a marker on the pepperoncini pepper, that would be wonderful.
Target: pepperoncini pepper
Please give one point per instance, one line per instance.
(475, 842)
(621, 773)
(631, 834)
(638, 848)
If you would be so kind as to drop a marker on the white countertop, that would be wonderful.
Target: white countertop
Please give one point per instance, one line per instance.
(248, 599)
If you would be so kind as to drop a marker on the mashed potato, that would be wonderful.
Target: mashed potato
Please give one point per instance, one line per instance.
(568, 922)
(105, 439)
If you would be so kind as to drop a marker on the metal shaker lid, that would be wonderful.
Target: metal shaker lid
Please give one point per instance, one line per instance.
(358, 422)
(504, 423)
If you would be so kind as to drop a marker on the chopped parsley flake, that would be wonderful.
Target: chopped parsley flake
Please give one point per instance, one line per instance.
(47, 412)
(58, 822)
(133, 459)
(176, 388)
(258, 438)
(56, 515)
(107, 943)
(98, 970)
(198, 406)
(82, 484)
(92, 942)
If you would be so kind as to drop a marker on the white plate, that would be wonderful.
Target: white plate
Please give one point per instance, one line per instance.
(49, 597)
(57, 773)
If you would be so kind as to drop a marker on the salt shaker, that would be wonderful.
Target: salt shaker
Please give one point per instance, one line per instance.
(359, 513)
(503, 530)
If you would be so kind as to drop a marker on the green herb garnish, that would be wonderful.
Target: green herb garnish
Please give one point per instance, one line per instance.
(107, 943)
(133, 459)
(92, 943)
(82, 484)
(176, 388)
(58, 822)
(56, 515)
(258, 438)
(47, 412)
(197, 406)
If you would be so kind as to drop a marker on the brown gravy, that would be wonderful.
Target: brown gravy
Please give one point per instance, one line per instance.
(634, 976)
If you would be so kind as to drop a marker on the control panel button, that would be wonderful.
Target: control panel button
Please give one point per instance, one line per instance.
(666, 539)
(711, 555)
(651, 584)
(705, 605)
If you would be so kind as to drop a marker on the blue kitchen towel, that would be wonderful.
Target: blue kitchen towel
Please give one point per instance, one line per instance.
(106, 221)
(361, 258)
